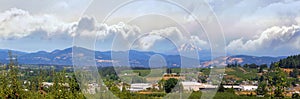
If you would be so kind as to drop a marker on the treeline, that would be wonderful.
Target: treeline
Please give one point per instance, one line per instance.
(290, 62)
(21, 84)
(17, 83)
(247, 65)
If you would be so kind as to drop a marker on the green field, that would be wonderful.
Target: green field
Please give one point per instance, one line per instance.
(240, 73)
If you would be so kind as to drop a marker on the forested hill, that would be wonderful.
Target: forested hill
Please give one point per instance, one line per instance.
(290, 62)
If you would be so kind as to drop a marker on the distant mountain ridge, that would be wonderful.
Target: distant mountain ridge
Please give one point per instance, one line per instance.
(136, 58)
(247, 59)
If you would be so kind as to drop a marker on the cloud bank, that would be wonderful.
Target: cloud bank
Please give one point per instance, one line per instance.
(16, 23)
(255, 27)
(272, 39)
(249, 18)
(121, 32)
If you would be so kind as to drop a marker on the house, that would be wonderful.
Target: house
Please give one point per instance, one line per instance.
(47, 84)
(135, 87)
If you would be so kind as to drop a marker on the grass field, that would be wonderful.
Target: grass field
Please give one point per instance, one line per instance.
(239, 73)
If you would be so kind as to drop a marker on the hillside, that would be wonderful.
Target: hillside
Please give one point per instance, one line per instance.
(246, 59)
(64, 57)
(240, 73)
(120, 58)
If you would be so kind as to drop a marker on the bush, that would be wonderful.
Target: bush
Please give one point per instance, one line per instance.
(295, 96)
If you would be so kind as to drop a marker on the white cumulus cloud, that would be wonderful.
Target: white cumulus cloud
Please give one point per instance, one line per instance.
(271, 39)
(16, 23)
(88, 26)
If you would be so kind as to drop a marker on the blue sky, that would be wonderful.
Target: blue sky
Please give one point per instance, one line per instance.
(252, 27)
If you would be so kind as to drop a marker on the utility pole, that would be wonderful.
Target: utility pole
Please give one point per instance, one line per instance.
(11, 62)
(13, 76)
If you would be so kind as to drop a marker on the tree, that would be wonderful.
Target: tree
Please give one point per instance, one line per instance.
(272, 66)
(262, 88)
(235, 64)
(161, 84)
(295, 96)
(253, 66)
(294, 73)
(14, 86)
(169, 70)
(246, 66)
(261, 68)
(278, 80)
(221, 88)
(231, 90)
(170, 84)
(261, 79)
(202, 79)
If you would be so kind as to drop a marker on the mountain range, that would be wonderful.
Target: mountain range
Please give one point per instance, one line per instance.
(120, 58)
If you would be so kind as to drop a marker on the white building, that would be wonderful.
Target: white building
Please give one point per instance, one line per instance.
(139, 87)
(191, 86)
(92, 88)
(248, 87)
(47, 84)
(242, 87)
(232, 86)
(195, 86)
(209, 86)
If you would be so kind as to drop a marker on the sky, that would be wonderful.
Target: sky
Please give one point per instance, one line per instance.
(250, 27)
